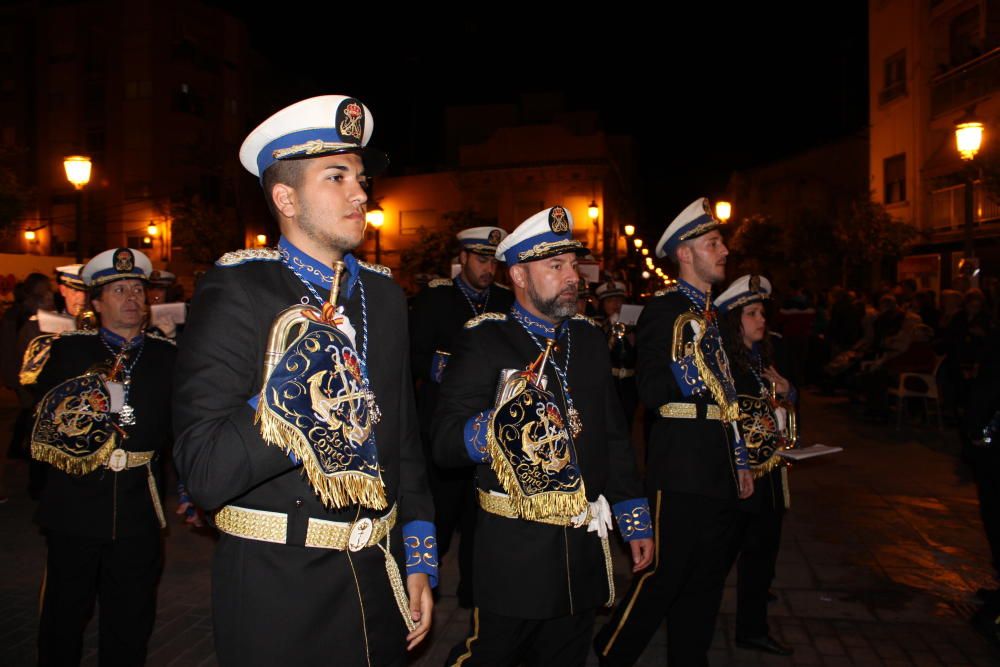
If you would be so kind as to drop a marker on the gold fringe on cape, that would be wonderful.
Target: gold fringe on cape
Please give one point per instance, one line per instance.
(341, 489)
(538, 506)
(767, 466)
(73, 465)
(730, 409)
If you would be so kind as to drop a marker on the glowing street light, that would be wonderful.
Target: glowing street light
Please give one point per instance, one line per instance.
(262, 240)
(78, 173)
(723, 211)
(375, 217)
(593, 210)
(645, 252)
(30, 235)
(638, 243)
(968, 140)
(629, 230)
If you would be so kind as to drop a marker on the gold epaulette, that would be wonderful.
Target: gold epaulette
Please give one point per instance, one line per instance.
(376, 268)
(441, 282)
(485, 317)
(666, 290)
(36, 355)
(589, 320)
(237, 257)
(156, 336)
(78, 332)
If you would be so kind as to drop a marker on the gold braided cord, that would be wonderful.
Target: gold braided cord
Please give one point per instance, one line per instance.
(73, 465)
(588, 320)
(441, 282)
(154, 493)
(547, 248)
(398, 591)
(609, 570)
(541, 505)
(341, 489)
(699, 230)
(312, 147)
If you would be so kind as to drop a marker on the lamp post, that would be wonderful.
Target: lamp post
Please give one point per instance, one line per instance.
(78, 173)
(968, 140)
(375, 217)
(594, 213)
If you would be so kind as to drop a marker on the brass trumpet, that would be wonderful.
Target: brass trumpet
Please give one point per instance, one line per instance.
(289, 324)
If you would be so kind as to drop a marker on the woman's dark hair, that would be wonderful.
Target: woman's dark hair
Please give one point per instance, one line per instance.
(731, 328)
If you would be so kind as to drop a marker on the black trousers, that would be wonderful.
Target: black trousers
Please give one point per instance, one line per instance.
(122, 574)
(455, 507)
(758, 554)
(501, 641)
(694, 538)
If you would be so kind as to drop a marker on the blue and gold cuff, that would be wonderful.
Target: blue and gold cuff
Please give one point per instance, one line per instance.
(634, 519)
(740, 454)
(687, 376)
(438, 363)
(475, 436)
(420, 549)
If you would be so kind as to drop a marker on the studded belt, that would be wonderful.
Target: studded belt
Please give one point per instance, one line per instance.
(273, 527)
(690, 411)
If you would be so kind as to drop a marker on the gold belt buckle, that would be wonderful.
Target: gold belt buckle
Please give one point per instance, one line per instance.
(360, 534)
(118, 460)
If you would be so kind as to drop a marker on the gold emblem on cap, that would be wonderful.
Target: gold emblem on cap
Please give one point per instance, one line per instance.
(754, 283)
(494, 237)
(352, 120)
(124, 260)
(558, 222)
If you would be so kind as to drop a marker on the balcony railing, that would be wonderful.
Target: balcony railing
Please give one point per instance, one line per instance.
(964, 84)
(948, 208)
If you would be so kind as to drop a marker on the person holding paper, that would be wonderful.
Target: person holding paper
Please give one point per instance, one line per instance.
(767, 424)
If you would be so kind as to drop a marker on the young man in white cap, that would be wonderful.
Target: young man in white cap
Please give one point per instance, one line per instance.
(551, 452)
(697, 465)
(100, 507)
(305, 443)
(436, 317)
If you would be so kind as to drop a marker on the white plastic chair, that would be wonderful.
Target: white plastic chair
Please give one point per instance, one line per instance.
(918, 385)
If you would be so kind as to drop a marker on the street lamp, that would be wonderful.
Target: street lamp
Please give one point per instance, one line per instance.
(30, 235)
(629, 230)
(968, 140)
(645, 252)
(78, 173)
(723, 211)
(375, 217)
(638, 243)
(261, 240)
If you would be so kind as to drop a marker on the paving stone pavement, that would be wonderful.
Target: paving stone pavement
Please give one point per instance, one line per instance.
(880, 555)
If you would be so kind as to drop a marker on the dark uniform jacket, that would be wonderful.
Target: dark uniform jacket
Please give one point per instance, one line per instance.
(683, 455)
(527, 569)
(311, 600)
(436, 317)
(106, 504)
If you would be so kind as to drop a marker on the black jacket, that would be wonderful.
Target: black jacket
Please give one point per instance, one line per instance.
(683, 455)
(103, 503)
(526, 569)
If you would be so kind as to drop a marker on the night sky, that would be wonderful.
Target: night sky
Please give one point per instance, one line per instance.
(703, 92)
